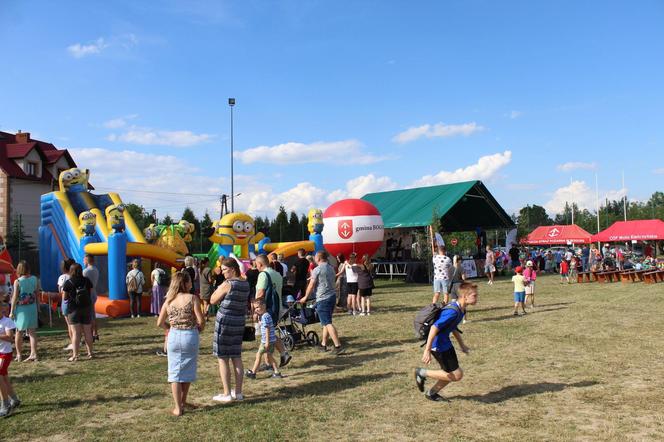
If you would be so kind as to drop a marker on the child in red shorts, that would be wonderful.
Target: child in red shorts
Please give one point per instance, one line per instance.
(8, 399)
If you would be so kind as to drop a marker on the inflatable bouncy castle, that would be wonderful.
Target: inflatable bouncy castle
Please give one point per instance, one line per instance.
(75, 222)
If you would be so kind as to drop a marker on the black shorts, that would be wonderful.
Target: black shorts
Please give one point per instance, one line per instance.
(366, 292)
(352, 288)
(447, 359)
(82, 316)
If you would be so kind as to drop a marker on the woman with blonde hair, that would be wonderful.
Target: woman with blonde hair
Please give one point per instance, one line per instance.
(24, 309)
(181, 315)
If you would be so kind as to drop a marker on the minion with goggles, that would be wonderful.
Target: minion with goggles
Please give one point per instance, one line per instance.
(74, 180)
(234, 233)
(88, 221)
(115, 218)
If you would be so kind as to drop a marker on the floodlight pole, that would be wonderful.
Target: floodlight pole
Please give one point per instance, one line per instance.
(231, 103)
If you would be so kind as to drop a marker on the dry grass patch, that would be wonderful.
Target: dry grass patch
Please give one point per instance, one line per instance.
(585, 365)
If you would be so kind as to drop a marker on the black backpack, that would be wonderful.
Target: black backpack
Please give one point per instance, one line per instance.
(426, 317)
(81, 297)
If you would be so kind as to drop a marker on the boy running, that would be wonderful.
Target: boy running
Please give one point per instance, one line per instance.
(519, 291)
(268, 341)
(440, 346)
(8, 399)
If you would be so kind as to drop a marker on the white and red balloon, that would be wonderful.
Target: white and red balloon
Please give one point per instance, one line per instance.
(352, 225)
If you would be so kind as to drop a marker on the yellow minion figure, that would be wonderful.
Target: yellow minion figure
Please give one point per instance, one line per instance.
(315, 224)
(88, 221)
(74, 180)
(115, 218)
(236, 229)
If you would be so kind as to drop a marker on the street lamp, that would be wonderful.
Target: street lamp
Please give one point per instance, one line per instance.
(231, 103)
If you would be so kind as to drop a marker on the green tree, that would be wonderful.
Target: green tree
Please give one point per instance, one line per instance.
(279, 226)
(138, 214)
(294, 232)
(17, 242)
(167, 220)
(206, 223)
(304, 227)
(531, 217)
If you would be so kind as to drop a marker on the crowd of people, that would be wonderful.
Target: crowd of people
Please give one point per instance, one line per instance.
(183, 302)
(262, 296)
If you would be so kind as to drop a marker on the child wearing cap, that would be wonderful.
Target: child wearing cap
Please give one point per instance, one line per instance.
(519, 291)
(530, 275)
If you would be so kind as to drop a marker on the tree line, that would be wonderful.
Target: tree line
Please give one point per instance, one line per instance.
(530, 217)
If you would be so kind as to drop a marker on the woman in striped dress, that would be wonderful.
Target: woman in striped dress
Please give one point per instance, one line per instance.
(232, 296)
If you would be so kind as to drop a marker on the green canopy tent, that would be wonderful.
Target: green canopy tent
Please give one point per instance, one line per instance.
(463, 207)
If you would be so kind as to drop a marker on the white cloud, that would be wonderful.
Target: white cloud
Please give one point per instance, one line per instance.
(485, 169)
(125, 172)
(124, 41)
(79, 50)
(117, 123)
(579, 193)
(361, 185)
(573, 165)
(346, 152)
(658, 171)
(438, 130)
(147, 136)
(515, 114)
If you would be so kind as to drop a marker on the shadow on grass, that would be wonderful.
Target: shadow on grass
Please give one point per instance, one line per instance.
(488, 309)
(350, 359)
(316, 388)
(39, 377)
(517, 391)
(401, 308)
(511, 315)
(365, 344)
(38, 407)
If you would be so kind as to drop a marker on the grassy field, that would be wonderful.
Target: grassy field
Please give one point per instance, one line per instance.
(587, 365)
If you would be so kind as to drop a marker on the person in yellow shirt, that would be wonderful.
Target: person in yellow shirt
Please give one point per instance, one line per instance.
(519, 291)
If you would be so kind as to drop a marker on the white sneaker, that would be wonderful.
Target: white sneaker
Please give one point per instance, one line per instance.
(363, 314)
(222, 398)
(68, 347)
(237, 397)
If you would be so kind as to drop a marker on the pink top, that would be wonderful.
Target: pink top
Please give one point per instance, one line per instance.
(530, 274)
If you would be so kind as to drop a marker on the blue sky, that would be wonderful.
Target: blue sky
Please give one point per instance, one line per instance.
(336, 99)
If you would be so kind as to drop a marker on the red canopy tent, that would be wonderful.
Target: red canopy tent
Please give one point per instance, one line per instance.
(639, 230)
(544, 235)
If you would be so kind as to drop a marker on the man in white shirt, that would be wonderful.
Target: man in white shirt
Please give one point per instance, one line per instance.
(442, 271)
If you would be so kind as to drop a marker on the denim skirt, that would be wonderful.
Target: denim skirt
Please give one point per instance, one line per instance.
(182, 355)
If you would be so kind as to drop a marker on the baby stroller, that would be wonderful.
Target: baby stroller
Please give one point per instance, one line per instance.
(292, 327)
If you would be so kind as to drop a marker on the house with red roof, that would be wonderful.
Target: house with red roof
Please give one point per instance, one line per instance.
(28, 169)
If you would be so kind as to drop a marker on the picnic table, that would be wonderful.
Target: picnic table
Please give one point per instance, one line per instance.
(585, 277)
(610, 276)
(653, 276)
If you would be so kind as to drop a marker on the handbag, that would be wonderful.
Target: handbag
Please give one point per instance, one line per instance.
(249, 334)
